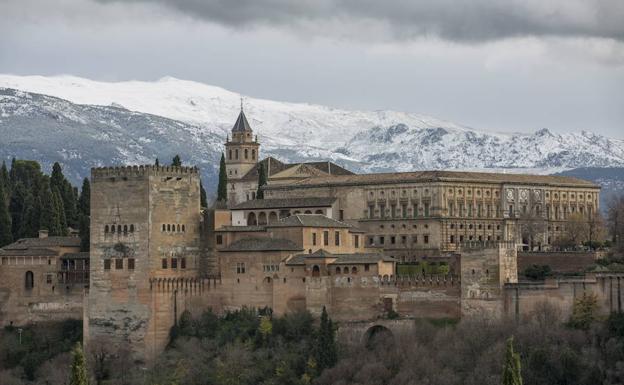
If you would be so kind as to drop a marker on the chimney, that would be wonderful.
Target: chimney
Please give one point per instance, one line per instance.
(43, 234)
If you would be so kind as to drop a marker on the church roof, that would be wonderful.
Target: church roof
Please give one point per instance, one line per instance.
(241, 124)
(436, 176)
(309, 220)
(284, 203)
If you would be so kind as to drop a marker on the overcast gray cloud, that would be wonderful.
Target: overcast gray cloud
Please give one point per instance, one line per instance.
(500, 65)
(457, 20)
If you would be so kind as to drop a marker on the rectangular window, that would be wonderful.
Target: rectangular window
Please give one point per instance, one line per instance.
(240, 268)
(382, 210)
(183, 263)
(366, 267)
(356, 241)
(426, 209)
(49, 279)
(107, 264)
(382, 240)
(415, 209)
(371, 240)
(404, 211)
(164, 263)
(174, 263)
(451, 209)
(511, 214)
(326, 238)
(130, 263)
(403, 239)
(461, 210)
(393, 239)
(452, 239)
(337, 238)
(341, 215)
(426, 238)
(393, 211)
(118, 264)
(219, 239)
(371, 211)
(415, 239)
(313, 239)
(470, 210)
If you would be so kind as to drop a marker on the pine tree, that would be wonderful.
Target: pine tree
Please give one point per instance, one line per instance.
(176, 162)
(5, 180)
(203, 201)
(511, 368)
(85, 236)
(222, 188)
(262, 181)
(78, 374)
(59, 210)
(6, 232)
(50, 217)
(19, 204)
(58, 181)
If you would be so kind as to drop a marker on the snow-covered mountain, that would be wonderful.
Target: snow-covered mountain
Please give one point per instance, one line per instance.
(138, 121)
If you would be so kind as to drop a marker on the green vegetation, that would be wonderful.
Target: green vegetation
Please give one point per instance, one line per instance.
(537, 272)
(420, 267)
(584, 311)
(262, 181)
(176, 162)
(222, 188)
(511, 369)
(79, 374)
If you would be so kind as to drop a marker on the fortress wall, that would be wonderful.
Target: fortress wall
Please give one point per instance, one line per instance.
(562, 262)
(522, 299)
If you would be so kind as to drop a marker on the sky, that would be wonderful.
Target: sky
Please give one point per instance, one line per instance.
(489, 64)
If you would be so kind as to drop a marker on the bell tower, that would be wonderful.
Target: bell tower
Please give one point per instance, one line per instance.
(241, 152)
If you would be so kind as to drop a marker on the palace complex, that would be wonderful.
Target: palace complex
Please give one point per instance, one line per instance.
(433, 244)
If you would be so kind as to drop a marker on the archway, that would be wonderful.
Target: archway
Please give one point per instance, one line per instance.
(272, 217)
(29, 280)
(319, 212)
(262, 218)
(308, 212)
(378, 335)
(316, 271)
(251, 219)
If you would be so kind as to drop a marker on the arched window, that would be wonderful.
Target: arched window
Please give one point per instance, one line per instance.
(316, 271)
(125, 229)
(262, 218)
(29, 280)
(230, 155)
(272, 217)
(183, 228)
(164, 228)
(246, 153)
(119, 228)
(354, 270)
(168, 227)
(236, 153)
(178, 228)
(319, 212)
(113, 229)
(345, 270)
(338, 270)
(253, 154)
(251, 219)
(308, 212)
(106, 229)
(132, 228)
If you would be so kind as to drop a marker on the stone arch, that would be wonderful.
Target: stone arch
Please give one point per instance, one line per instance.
(319, 212)
(308, 212)
(378, 335)
(345, 270)
(251, 219)
(262, 218)
(338, 271)
(29, 280)
(316, 271)
(272, 217)
(297, 212)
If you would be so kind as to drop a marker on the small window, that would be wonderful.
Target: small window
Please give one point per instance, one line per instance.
(169, 227)
(178, 228)
(356, 241)
(132, 228)
(118, 264)
(125, 229)
(174, 263)
(113, 229)
(338, 270)
(219, 239)
(106, 229)
(107, 264)
(183, 228)
(130, 263)
(119, 228)
(367, 267)
(313, 239)
(354, 270)
(49, 279)
(337, 238)
(326, 238)
(164, 263)
(183, 263)
(164, 228)
(426, 238)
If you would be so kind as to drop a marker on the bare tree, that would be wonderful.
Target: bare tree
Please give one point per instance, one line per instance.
(576, 229)
(532, 226)
(615, 221)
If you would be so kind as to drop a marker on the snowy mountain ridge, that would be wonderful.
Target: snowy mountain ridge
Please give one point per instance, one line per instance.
(365, 141)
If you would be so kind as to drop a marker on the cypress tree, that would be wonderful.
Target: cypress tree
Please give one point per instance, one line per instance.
(222, 188)
(326, 351)
(5, 180)
(203, 201)
(157, 163)
(18, 206)
(59, 210)
(511, 367)
(262, 180)
(84, 202)
(50, 216)
(58, 180)
(176, 162)
(85, 236)
(31, 219)
(6, 232)
(78, 374)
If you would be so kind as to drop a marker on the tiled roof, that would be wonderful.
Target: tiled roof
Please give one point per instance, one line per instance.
(341, 259)
(437, 176)
(309, 220)
(241, 124)
(28, 252)
(284, 203)
(274, 166)
(240, 228)
(26, 243)
(262, 244)
(81, 255)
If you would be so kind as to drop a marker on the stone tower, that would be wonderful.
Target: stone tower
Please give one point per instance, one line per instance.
(241, 153)
(144, 230)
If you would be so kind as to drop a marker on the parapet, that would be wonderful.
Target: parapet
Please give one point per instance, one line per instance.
(139, 171)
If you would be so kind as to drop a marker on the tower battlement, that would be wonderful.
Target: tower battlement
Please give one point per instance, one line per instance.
(142, 170)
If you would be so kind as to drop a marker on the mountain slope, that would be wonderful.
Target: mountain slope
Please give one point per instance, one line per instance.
(135, 122)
